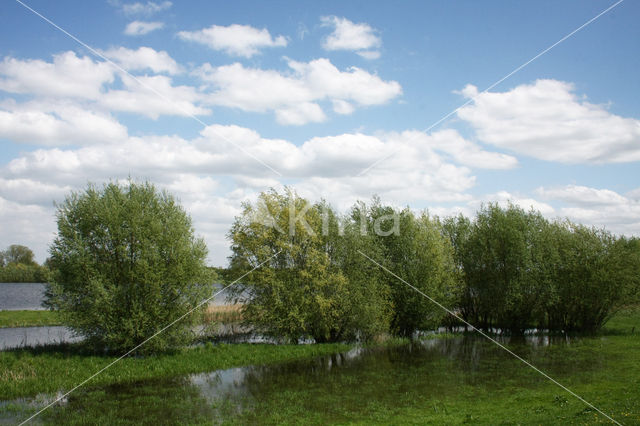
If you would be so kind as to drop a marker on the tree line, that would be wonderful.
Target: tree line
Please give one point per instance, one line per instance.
(506, 269)
(18, 265)
(521, 270)
(126, 263)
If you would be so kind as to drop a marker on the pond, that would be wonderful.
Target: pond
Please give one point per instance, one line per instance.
(347, 387)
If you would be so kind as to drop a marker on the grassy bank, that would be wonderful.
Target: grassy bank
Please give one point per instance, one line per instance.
(28, 318)
(27, 372)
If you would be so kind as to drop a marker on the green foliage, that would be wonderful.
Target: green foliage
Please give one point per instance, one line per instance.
(522, 271)
(310, 285)
(17, 265)
(21, 273)
(591, 278)
(126, 264)
(417, 252)
(17, 254)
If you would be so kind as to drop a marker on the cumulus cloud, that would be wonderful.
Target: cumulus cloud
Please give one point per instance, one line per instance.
(583, 195)
(212, 176)
(548, 121)
(137, 28)
(360, 38)
(503, 198)
(153, 96)
(294, 97)
(148, 8)
(143, 58)
(55, 124)
(32, 192)
(235, 40)
(72, 78)
(67, 76)
(329, 165)
(597, 207)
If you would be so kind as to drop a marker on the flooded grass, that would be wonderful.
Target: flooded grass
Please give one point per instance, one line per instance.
(47, 369)
(455, 379)
(464, 379)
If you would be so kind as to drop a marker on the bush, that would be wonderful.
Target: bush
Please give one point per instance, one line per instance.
(126, 264)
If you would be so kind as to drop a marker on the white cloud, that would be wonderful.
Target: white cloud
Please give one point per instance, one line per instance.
(27, 224)
(369, 54)
(57, 124)
(293, 97)
(583, 195)
(617, 213)
(503, 198)
(148, 8)
(143, 58)
(137, 28)
(71, 77)
(342, 107)
(32, 192)
(463, 151)
(546, 120)
(236, 40)
(67, 76)
(347, 35)
(634, 195)
(153, 96)
(300, 114)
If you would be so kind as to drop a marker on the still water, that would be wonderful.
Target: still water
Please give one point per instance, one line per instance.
(341, 388)
(29, 296)
(21, 296)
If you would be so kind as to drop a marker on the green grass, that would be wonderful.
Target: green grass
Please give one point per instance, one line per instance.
(28, 318)
(25, 318)
(625, 321)
(480, 384)
(27, 372)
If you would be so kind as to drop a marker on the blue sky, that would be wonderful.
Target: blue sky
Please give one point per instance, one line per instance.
(203, 94)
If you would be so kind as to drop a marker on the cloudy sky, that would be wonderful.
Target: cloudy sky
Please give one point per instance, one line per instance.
(217, 101)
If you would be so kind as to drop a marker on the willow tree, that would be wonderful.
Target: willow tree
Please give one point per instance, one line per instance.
(126, 264)
(307, 285)
(415, 249)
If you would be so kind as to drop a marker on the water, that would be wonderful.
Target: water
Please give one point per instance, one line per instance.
(340, 388)
(16, 337)
(21, 296)
(29, 296)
